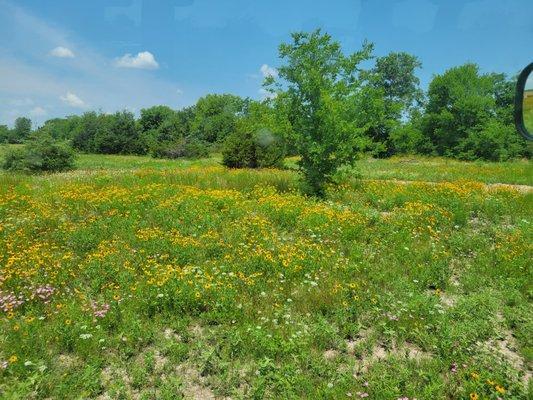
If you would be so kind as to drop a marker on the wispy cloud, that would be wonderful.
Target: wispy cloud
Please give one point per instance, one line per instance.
(62, 52)
(38, 112)
(33, 78)
(143, 60)
(268, 71)
(70, 99)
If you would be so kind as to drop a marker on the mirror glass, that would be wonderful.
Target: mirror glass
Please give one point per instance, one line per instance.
(527, 105)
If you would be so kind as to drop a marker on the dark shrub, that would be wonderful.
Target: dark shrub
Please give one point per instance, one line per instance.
(239, 151)
(40, 154)
(181, 148)
(243, 149)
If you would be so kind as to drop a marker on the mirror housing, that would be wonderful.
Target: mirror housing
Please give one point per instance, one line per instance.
(525, 130)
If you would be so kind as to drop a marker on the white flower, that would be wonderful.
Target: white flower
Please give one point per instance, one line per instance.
(86, 336)
(28, 364)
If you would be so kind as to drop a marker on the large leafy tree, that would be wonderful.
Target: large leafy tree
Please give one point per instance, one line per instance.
(4, 133)
(327, 103)
(468, 115)
(60, 128)
(90, 126)
(216, 116)
(21, 131)
(395, 75)
(458, 100)
(121, 135)
(153, 117)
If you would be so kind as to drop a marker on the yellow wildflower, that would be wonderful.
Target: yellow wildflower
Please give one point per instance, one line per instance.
(500, 389)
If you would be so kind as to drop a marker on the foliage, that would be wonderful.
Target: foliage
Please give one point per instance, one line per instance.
(60, 128)
(178, 125)
(152, 118)
(4, 134)
(321, 90)
(181, 148)
(109, 134)
(215, 117)
(463, 103)
(89, 127)
(239, 150)
(323, 106)
(40, 154)
(21, 131)
(493, 141)
(394, 75)
(257, 140)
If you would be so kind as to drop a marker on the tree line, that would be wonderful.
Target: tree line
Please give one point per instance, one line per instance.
(323, 105)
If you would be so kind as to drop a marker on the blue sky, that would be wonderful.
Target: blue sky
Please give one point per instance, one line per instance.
(61, 57)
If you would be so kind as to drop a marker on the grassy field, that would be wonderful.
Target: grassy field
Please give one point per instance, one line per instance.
(145, 279)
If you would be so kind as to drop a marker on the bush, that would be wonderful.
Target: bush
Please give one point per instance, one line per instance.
(494, 141)
(40, 154)
(182, 148)
(243, 149)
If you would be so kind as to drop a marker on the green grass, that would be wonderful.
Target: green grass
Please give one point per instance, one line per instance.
(226, 283)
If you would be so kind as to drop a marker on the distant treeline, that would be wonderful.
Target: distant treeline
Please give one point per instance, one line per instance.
(464, 114)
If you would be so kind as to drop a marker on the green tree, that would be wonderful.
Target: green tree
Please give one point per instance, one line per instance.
(394, 75)
(90, 126)
(256, 141)
(178, 125)
(322, 90)
(459, 100)
(504, 93)
(121, 135)
(21, 131)
(4, 133)
(153, 117)
(60, 128)
(468, 113)
(216, 116)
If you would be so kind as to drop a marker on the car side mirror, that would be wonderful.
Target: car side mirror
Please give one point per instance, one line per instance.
(523, 106)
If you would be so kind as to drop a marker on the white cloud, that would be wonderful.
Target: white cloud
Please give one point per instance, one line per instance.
(143, 60)
(72, 100)
(62, 52)
(179, 92)
(268, 71)
(38, 112)
(27, 81)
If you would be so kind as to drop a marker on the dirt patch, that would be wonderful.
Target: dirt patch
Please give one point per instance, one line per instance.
(170, 334)
(67, 361)
(447, 300)
(507, 347)
(330, 354)
(111, 375)
(379, 352)
(193, 383)
(362, 337)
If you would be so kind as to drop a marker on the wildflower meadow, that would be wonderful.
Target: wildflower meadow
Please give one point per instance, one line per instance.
(189, 280)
